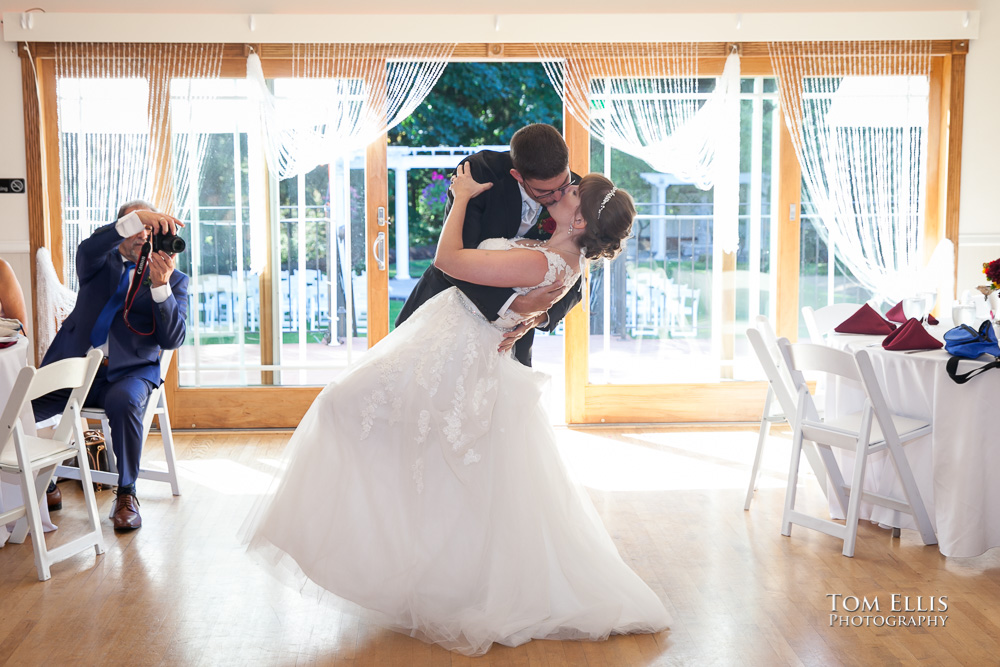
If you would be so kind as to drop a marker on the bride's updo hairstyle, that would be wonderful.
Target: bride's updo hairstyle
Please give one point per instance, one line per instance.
(609, 213)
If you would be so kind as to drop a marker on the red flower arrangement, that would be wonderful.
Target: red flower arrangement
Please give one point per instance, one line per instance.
(992, 272)
(547, 226)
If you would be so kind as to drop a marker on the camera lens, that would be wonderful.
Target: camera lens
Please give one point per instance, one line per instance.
(168, 243)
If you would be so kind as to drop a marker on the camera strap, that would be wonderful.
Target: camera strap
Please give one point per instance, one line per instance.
(140, 270)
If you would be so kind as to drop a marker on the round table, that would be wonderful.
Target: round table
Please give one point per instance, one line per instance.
(12, 360)
(955, 466)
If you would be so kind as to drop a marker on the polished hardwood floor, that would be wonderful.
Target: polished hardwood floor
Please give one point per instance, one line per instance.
(182, 591)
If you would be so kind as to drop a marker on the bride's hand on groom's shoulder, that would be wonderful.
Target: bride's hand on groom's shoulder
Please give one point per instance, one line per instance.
(463, 185)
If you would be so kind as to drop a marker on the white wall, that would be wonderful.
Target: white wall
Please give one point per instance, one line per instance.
(980, 213)
(13, 207)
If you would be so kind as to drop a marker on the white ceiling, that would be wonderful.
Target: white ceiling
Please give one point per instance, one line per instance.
(482, 7)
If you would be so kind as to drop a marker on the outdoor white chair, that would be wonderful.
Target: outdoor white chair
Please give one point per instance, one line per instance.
(647, 302)
(32, 459)
(157, 406)
(872, 430)
(360, 302)
(683, 310)
(779, 403)
(822, 321)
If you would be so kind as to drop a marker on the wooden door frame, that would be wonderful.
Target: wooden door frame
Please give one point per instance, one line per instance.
(585, 402)
(589, 403)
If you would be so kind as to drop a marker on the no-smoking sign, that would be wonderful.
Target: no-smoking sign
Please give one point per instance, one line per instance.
(12, 186)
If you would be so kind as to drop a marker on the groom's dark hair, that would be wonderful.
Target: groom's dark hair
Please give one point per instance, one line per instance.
(539, 152)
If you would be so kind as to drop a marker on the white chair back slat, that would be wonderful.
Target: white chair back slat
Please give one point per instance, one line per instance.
(777, 383)
(805, 357)
(15, 403)
(822, 321)
(65, 374)
(781, 389)
(165, 358)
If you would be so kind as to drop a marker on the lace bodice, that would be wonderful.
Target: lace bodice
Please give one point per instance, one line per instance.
(558, 268)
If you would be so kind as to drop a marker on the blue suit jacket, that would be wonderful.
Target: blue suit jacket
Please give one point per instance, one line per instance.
(99, 267)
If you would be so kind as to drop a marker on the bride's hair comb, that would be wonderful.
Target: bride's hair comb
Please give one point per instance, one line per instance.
(607, 198)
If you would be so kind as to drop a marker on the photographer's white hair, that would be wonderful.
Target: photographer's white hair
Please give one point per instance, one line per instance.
(135, 204)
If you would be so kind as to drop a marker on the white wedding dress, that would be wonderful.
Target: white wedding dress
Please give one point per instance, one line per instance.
(425, 483)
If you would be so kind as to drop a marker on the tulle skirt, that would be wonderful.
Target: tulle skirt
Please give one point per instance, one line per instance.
(425, 484)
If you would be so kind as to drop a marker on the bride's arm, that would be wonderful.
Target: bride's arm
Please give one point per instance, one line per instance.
(496, 268)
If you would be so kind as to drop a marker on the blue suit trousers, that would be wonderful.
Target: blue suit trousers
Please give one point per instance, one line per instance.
(124, 401)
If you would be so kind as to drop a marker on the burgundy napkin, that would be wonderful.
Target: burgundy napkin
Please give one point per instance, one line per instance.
(895, 314)
(865, 321)
(8, 344)
(911, 336)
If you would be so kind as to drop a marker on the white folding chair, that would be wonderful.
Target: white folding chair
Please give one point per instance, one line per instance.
(822, 321)
(156, 406)
(873, 429)
(33, 459)
(779, 403)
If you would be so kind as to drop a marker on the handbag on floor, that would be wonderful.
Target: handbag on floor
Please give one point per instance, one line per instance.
(97, 456)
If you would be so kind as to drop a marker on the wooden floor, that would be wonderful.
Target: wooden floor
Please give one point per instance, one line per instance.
(181, 591)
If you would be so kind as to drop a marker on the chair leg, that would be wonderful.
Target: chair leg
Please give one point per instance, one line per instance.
(109, 446)
(167, 434)
(836, 478)
(34, 518)
(765, 428)
(816, 463)
(22, 527)
(89, 497)
(913, 498)
(793, 480)
(857, 491)
(20, 532)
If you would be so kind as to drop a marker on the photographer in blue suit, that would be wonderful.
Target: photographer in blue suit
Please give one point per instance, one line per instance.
(105, 265)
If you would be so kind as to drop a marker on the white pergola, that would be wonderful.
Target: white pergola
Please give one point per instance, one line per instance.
(400, 160)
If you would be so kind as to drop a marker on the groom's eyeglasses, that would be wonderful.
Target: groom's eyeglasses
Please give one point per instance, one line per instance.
(552, 195)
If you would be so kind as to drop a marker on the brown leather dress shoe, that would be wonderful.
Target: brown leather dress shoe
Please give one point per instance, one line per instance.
(54, 498)
(126, 514)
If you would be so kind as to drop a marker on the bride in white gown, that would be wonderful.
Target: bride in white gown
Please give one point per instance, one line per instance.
(425, 482)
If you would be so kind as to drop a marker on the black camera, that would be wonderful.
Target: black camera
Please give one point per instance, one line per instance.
(168, 243)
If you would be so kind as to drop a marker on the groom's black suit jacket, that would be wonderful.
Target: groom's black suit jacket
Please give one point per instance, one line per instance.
(495, 213)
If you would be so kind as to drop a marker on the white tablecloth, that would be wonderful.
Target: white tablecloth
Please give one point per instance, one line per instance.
(12, 360)
(957, 466)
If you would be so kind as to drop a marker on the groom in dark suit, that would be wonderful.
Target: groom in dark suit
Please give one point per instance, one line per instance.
(105, 265)
(533, 174)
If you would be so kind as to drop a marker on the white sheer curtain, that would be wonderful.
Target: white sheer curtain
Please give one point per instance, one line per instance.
(54, 301)
(647, 100)
(340, 98)
(118, 138)
(857, 114)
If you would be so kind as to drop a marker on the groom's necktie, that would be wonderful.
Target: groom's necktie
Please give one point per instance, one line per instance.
(102, 326)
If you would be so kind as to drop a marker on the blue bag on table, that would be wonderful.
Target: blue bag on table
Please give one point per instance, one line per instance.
(964, 342)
